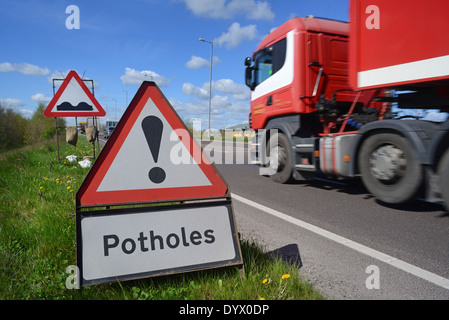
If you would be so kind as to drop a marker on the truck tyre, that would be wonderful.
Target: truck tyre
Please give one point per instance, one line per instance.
(280, 158)
(443, 173)
(390, 168)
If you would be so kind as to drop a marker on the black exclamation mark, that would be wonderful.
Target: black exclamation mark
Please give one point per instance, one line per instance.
(152, 128)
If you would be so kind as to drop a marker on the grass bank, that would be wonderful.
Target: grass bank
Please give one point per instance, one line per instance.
(37, 243)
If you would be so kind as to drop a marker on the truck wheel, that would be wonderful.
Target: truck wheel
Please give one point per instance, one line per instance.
(443, 173)
(280, 158)
(390, 168)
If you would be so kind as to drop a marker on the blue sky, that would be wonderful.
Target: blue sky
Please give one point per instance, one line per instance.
(120, 43)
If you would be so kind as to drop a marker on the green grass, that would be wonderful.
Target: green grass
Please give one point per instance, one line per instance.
(38, 243)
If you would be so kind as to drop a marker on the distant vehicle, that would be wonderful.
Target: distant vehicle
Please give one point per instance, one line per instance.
(108, 132)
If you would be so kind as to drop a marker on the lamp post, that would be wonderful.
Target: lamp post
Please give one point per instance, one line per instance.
(210, 82)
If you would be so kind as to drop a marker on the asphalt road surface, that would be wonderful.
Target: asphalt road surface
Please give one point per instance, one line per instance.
(347, 244)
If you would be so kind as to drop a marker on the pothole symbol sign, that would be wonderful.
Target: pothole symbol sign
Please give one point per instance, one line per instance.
(151, 158)
(74, 99)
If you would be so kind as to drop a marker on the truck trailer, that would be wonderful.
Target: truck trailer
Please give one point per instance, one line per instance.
(322, 94)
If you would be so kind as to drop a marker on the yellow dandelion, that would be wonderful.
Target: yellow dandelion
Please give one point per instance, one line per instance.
(285, 276)
(261, 298)
(68, 187)
(265, 280)
(40, 188)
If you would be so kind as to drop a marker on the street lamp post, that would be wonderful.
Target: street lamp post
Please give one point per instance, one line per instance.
(210, 82)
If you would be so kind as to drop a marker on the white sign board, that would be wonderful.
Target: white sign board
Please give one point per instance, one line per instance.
(133, 243)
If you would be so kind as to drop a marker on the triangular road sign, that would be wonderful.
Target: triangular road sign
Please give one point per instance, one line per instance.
(74, 99)
(150, 157)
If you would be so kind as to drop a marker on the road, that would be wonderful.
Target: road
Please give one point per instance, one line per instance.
(341, 235)
(346, 243)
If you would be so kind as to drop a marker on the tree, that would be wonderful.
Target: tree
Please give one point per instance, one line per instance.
(40, 127)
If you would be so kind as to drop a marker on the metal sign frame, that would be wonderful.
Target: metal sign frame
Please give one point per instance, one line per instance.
(59, 92)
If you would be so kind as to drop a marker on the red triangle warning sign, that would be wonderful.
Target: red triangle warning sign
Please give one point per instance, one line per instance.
(150, 157)
(74, 99)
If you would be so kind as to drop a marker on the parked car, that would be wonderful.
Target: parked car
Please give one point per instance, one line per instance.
(108, 132)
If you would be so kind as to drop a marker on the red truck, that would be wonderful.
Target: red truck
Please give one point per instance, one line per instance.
(322, 93)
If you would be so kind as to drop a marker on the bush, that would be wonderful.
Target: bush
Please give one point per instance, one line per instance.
(39, 127)
(12, 129)
(16, 131)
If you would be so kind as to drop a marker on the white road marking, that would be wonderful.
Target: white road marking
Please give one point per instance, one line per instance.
(397, 263)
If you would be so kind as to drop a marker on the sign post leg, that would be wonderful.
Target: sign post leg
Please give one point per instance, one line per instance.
(57, 136)
(242, 271)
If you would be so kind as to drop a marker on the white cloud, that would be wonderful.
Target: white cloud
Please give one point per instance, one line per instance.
(198, 62)
(225, 86)
(228, 86)
(133, 76)
(40, 97)
(6, 67)
(224, 112)
(256, 10)
(215, 60)
(236, 35)
(227, 107)
(223, 9)
(11, 102)
(24, 68)
(240, 107)
(190, 108)
(219, 104)
(191, 90)
(26, 113)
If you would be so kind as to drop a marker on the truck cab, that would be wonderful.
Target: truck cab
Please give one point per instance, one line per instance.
(302, 68)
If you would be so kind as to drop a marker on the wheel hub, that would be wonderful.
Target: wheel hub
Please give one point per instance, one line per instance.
(388, 163)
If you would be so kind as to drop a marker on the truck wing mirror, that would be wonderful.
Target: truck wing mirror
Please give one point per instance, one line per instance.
(249, 78)
(248, 61)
